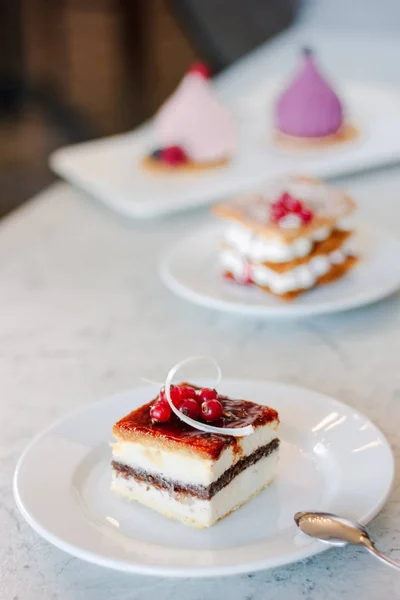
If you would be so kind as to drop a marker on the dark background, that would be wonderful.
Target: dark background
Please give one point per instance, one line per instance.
(71, 70)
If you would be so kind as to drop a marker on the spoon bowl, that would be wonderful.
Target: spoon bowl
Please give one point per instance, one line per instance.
(338, 531)
(330, 528)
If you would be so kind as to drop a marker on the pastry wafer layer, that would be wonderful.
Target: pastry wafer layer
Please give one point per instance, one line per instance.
(157, 166)
(335, 273)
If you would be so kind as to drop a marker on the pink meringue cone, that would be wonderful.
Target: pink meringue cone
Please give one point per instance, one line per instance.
(309, 107)
(194, 119)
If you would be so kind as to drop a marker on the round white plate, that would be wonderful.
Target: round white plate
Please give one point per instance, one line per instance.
(332, 459)
(191, 270)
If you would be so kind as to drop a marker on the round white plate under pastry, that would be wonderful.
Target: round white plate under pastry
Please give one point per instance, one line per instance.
(191, 270)
(332, 459)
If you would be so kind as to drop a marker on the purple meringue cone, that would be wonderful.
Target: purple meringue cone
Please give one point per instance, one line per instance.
(309, 107)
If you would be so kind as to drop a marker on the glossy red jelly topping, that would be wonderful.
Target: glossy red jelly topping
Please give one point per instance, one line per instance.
(236, 413)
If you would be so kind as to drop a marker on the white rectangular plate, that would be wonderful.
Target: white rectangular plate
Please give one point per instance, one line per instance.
(109, 169)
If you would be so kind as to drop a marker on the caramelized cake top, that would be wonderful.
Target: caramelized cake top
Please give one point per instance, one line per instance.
(138, 426)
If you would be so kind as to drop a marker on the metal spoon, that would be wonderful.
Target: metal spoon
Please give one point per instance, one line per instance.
(336, 530)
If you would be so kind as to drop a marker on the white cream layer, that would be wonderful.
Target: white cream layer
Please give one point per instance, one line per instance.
(301, 277)
(196, 512)
(188, 467)
(258, 248)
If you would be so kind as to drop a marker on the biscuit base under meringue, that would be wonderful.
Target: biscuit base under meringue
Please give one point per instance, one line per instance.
(347, 133)
(157, 166)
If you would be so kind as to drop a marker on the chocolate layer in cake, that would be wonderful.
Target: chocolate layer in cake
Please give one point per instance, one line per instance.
(201, 492)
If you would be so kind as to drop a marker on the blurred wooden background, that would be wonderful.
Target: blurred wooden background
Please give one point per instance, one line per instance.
(114, 60)
(71, 70)
(110, 62)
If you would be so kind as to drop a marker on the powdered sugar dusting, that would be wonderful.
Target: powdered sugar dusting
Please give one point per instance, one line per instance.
(322, 200)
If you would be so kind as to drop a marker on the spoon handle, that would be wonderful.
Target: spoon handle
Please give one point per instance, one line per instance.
(385, 559)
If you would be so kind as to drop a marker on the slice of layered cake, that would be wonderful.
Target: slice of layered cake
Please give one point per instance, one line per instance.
(289, 238)
(188, 474)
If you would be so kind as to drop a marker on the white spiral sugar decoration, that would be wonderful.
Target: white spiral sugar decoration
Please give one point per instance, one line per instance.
(234, 431)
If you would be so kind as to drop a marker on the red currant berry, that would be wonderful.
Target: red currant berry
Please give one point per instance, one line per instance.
(163, 396)
(285, 199)
(306, 216)
(290, 203)
(294, 206)
(190, 408)
(200, 68)
(176, 394)
(211, 410)
(187, 391)
(173, 155)
(278, 212)
(160, 412)
(207, 394)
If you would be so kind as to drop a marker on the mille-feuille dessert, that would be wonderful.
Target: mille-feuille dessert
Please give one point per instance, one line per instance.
(309, 112)
(185, 473)
(192, 129)
(289, 238)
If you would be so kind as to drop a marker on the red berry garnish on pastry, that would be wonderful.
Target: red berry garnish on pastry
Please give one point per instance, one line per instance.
(211, 410)
(278, 211)
(160, 412)
(187, 391)
(207, 394)
(190, 408)
(290, 203)
(200, 68)
(173, 156)
(176, 395)
(283, 199)
(290, 212)
(306, 215)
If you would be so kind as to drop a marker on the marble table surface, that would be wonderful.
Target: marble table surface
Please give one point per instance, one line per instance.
(83, 315)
